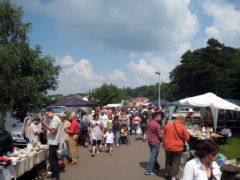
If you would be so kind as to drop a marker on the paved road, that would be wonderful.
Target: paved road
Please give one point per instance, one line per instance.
(126, 163)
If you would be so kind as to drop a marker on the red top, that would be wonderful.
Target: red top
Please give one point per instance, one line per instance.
(74, 127)
(172, 142)
(153, 131)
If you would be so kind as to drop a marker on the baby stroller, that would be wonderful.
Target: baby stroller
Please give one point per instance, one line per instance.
(124, 133)
(84, 136)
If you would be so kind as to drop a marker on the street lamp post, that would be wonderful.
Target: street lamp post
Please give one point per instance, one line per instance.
(159, 90)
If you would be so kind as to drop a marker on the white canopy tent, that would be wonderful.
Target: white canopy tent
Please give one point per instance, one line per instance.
(210, 100)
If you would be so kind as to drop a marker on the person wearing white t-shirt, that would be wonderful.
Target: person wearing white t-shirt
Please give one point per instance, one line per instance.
(204, 165)
(34, 132)
(226, 131)
(53, 137)
(109, 140)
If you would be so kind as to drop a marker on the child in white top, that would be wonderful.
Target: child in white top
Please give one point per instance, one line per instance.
(109, 139)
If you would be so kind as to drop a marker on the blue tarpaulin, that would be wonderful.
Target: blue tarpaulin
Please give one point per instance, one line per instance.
(73, 102)
(162, 102)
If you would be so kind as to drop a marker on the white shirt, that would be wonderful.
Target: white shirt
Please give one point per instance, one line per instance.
(194, 170)
(33, 136)
(226, 131)
(109, 137)
(54, 138)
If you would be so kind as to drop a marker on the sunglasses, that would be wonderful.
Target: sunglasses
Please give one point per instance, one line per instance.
(214, 154)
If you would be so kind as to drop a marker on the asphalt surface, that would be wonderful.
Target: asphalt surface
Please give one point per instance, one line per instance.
(127, 162)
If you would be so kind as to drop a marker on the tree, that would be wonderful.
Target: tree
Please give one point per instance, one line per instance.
(25, 74)
(214, 68)
(106, 94)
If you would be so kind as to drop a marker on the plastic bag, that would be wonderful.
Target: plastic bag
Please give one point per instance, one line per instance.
(139, 131)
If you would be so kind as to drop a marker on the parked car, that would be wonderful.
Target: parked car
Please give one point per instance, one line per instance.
(58, 109)
(18, 139)
(185, 110)
(15, 128)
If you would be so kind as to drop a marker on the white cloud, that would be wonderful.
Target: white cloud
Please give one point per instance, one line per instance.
(83, 68)
(142, 68)
(182, 49)
(117, 75)
(65, 60)
(133, 25)
(226, 21)
(212, 31)
(77, 76)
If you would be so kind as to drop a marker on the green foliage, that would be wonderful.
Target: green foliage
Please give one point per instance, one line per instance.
(214, 68)
(231, 149)
(107, 94)
(150, 91)
(25, 75)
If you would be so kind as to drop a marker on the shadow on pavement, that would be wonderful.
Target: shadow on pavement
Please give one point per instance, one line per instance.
(160, 173)
(139, 139)
(143, 164)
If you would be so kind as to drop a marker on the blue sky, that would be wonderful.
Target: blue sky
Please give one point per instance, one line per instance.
(125, 42)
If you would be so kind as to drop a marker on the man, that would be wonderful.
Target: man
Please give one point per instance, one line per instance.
(73, 131)
(226, 131)
(154, 136)
(174, 136)
(34, 132)
(53, 137)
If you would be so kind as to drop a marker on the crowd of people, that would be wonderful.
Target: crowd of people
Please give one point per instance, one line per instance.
(111, 127)
(100, 127)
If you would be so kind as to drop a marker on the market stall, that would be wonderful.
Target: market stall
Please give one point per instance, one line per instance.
(23, 160)
(197, 135)
(26, 159)
(209, 100)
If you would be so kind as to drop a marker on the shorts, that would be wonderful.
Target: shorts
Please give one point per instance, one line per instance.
(109, 144)
(94, 142)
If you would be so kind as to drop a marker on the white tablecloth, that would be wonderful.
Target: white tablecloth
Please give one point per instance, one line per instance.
(8, 173)
(26, 164)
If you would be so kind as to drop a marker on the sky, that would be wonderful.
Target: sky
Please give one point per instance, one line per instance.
(125, 42)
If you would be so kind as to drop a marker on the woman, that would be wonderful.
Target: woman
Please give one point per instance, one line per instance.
(203, 166)
(136, 122)
(116, 129)
(96, 134)
(143, 124)
(64, 145)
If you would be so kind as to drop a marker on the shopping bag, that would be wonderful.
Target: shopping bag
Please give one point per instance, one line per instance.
(139, 131)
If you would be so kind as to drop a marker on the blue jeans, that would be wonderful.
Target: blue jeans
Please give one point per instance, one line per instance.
(116, 136)
(153, 163)
(144, 129)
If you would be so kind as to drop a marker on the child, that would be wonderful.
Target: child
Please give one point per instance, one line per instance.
(123, 135)
(124, 132)
(109, 140)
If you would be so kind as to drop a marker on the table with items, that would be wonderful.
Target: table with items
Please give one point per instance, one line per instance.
(22, 161)
(198, 134)
(229, 166)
